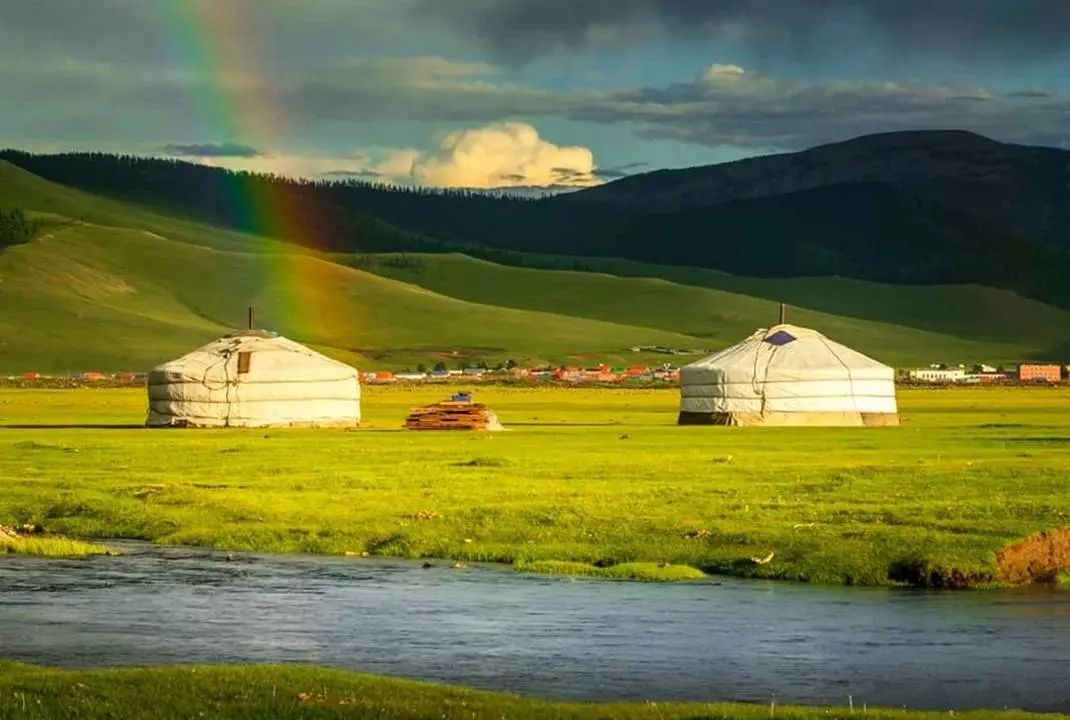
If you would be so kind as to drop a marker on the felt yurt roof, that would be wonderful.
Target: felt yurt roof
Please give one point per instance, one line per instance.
(277, 359)
(785, 353)
(788, 375)
(253, 379)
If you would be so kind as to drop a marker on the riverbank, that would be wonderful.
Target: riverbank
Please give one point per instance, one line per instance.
(595, 477)
(303, 692)
(27, 541)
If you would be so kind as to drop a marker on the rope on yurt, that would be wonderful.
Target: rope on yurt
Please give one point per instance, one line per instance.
(850, 377)
(225, 354)
(760, 387)
(765, 380)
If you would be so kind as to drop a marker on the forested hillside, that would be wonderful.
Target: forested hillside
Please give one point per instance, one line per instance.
(908, 208)
(110, 285)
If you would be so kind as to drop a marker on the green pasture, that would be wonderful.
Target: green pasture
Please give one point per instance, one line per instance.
(899, 325)
(34, 693)
(591, 476)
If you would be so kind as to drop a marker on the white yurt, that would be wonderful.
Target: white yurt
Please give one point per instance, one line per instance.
(253, 379)
(788, 375)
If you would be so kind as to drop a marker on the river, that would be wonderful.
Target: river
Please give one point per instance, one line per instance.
(554, 637)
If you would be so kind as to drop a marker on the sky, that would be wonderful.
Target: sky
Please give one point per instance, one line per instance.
(543, 93)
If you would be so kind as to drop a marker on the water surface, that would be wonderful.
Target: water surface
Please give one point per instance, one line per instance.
(548, 636)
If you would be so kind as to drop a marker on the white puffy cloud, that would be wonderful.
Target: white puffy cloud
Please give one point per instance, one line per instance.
(503, 154)
(720, 72)
(506, 154)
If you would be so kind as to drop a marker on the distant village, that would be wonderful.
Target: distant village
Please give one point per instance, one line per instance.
(1045, 373)
(602, 374)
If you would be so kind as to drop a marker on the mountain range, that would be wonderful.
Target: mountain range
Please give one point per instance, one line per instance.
(919, 246)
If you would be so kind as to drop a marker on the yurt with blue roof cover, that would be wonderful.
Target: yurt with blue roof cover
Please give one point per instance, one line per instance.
(788, 375)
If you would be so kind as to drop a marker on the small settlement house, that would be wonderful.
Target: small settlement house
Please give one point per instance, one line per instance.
(253, 379)
(1052, 374)
(788, 375)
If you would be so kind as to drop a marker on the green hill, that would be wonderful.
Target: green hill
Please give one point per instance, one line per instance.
(91, 296)
(107, 285)
(906, 208)
(87, 295)
(965, 311)
(719, 318)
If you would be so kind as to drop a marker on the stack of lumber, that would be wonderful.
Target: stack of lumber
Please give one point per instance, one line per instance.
(452, 415)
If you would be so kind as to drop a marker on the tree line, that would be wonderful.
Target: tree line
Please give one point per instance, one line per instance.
(15, 227)
(867, 230)
(332, 214)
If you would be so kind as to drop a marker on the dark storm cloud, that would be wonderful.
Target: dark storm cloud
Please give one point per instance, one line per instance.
(724, 105)
(106, 71)
(1030, 93)
(564, 174)
(758, 111)
(518, 30)
(86, 29)
(211, 150)
(613, 173)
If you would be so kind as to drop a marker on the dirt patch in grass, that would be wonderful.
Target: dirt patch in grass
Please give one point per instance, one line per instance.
(1038, 558)
(922, 574)
(483, 462)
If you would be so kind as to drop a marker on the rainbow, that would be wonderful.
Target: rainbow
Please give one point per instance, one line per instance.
(214, 41)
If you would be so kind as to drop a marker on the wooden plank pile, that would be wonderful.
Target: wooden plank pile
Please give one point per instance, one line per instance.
(451, 415)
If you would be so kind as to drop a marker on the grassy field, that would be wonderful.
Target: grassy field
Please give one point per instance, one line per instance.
(291, 692)
(94, 297)
(600, 477)
(49, 547)
(963, 311)
(111, 286)
(901, 326)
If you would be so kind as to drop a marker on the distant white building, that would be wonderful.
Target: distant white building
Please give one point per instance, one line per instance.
(937, 375)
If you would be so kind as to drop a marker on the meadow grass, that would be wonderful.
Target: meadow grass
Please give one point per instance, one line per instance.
(49, 547)
(598, 477)
(35, 693)
(642, 571)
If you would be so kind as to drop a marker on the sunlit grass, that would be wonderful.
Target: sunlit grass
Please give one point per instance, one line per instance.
(307, 692)
(598, 477)
(643, 571)
(49, 547)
